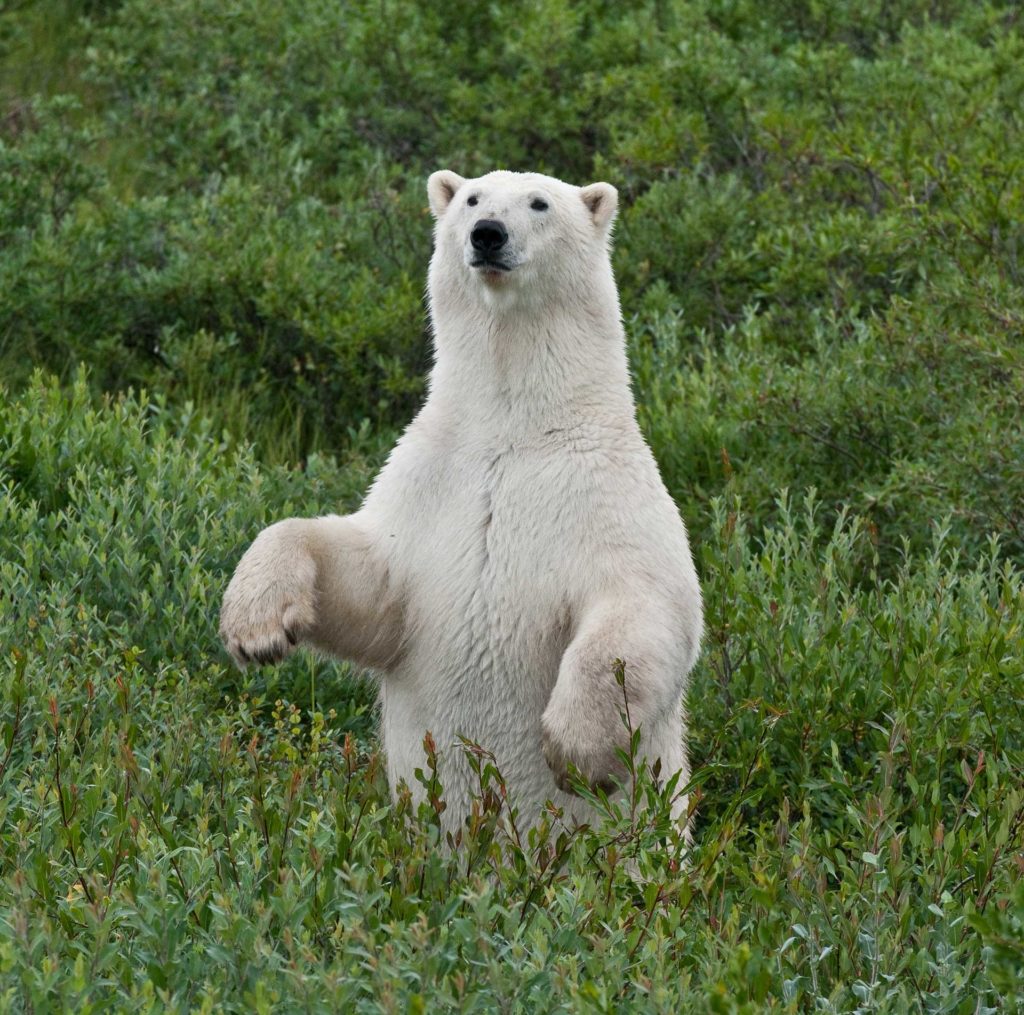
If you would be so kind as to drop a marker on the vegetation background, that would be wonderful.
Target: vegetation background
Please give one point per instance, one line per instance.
(213, 243)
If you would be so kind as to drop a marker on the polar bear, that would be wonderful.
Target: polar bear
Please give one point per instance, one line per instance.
(519, 545)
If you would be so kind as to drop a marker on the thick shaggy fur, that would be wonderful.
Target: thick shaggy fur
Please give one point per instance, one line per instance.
(519, 540)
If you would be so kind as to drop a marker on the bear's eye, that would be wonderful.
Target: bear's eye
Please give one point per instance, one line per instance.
(472, 202)
(539, 204)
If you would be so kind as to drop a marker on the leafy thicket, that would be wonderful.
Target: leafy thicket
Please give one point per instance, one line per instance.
(180, 838)
(822, 218)
(819, 254)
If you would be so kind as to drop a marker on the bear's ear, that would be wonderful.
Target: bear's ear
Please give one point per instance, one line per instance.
(441, 188)
(602, 200)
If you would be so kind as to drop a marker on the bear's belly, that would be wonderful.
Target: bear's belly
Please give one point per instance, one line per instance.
(490, 565)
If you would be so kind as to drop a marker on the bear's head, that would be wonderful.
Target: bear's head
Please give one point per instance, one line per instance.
(514, 239)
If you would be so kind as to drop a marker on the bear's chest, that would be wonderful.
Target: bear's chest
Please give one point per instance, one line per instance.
(485, 547)
(490, 541)
(501, 519)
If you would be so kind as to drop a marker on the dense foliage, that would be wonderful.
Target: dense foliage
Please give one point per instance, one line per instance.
(173, 837)
(222, 201)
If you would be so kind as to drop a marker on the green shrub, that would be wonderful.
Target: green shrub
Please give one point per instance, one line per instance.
(819, 256)
(911, 419)
(236, 213)
(221, 298)
(184, 837)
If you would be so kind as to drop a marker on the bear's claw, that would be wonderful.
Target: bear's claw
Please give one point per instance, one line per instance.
(268, 655)
(262, 651)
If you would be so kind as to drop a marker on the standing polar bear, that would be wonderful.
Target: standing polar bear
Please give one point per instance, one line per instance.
(519, 540)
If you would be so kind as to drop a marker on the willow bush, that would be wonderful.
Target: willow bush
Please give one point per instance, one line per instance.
(213, 247)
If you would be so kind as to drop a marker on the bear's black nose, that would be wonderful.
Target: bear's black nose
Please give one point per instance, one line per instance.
(488, 236)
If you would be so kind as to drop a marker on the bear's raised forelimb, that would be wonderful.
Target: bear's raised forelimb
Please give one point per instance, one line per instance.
(322, 581)
(627, 661)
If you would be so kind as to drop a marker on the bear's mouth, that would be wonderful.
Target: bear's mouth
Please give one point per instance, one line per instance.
(487, 266)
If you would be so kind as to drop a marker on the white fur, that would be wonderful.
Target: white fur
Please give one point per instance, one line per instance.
(519, 539)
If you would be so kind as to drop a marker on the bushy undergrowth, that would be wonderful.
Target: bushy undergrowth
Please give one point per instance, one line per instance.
(819, 255)
(822, 210)
(179, 836)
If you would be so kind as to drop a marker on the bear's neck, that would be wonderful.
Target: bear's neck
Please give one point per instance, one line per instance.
(527, 369)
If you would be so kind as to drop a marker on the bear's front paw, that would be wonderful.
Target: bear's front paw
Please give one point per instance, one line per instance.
(572, 741)
(270, 602)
